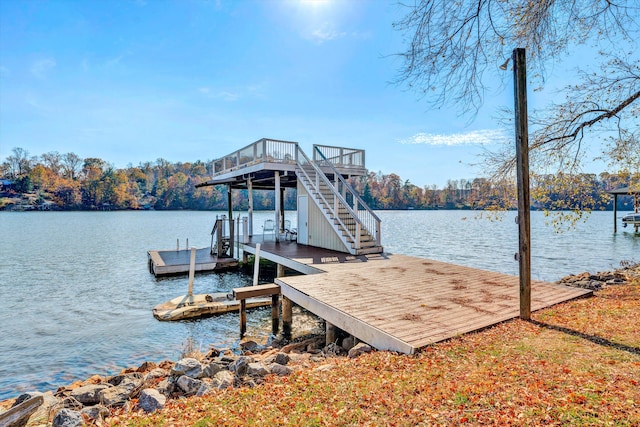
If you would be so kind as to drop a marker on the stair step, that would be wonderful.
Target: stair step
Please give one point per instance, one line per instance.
(373, 250)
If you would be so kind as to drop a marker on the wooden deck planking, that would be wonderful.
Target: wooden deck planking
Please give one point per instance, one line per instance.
(416, 301)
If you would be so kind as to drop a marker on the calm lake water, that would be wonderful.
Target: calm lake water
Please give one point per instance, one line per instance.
(77, 295)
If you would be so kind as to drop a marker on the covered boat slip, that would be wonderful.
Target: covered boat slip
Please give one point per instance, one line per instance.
(401, 303)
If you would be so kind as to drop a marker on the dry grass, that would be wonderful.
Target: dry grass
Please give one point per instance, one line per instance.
(577, 363)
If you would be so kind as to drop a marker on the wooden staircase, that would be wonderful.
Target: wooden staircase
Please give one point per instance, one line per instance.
(352, 220)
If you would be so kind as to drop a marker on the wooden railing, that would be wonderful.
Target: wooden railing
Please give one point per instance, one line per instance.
(263, 150)
(337, 203)
(222, 242)
(340, 157)
(365, 216)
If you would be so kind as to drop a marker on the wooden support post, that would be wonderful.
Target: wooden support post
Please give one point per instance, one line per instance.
(275, 313)
(256, 265)
(243, 317)
(331, 332)
(250, 193)
(278, 197)
(192, 270)
(522, 154)
(232, 230)
(281, 211)
(230, 206)
(636, 208)
(615, 213)
(279, 270)
(287, 317)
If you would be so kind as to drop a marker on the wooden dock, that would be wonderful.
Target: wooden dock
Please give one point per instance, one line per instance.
(168, 262)
(402, 303)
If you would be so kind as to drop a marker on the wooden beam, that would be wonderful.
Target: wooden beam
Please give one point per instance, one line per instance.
(522, 154)
(256, 291)
(19, 414)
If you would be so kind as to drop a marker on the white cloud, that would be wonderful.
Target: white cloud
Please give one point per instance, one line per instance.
(476, 137)
(225, 95)
(41, 68)
(325, 33)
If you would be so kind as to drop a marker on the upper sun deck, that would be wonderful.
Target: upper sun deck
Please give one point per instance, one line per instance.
(265, 156)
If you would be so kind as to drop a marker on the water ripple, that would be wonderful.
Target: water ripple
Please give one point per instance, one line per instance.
(77, 295)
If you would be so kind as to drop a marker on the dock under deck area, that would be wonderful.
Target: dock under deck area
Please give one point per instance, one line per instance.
(402, 303)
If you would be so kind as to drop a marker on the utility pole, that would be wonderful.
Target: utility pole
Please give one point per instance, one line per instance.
(522, 154)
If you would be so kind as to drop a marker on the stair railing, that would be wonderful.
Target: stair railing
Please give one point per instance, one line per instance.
(361, 210)
(222, 240)
(316, 177)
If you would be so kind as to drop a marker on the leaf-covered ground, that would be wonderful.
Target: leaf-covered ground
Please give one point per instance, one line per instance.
(577, 363)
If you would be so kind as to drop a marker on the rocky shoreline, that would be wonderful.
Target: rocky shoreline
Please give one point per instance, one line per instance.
(628, 272)
(149, 386)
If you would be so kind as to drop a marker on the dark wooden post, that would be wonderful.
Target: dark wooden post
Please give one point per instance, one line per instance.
(275, 313)
(615, 213)
(331, 333)
(287, 317)
(522, 154)
(636, 208)
(229, 202)
(243, 317)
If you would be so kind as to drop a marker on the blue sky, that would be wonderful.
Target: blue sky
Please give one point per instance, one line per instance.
(134, 81)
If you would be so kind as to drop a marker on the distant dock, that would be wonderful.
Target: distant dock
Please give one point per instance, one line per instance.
(171, 262)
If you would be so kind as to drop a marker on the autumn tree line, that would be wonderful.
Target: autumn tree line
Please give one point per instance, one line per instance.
(68, 182)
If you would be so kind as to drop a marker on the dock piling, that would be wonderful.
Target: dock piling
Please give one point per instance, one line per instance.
(331, 332)
(287, 317)
(275, 313)
(256, 265)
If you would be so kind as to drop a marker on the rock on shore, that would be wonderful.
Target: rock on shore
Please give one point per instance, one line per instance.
(150, 386)
(627, 273)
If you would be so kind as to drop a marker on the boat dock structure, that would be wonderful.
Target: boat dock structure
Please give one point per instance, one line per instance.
(397, 302)
(390, 301)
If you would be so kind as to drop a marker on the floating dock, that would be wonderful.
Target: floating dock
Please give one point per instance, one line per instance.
(402, 303)
(168, 262)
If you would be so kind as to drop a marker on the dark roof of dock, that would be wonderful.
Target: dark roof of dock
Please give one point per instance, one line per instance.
(624, 191)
